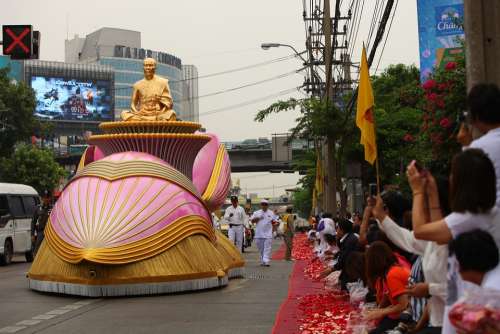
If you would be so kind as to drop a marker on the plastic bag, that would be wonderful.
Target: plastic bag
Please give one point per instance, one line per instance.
(478, 311)
(332, 281)
(357, 323)
(281, 228)
(357, 292)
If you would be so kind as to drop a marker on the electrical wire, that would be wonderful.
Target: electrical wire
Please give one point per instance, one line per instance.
(284, 75)
(238, 69)
(249, 102)
(353, 42)
(387, 35)
(372, 23)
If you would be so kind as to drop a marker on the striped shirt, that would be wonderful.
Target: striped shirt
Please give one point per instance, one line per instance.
(417, 276)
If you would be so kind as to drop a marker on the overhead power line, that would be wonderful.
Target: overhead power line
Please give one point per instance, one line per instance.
(238, 69)
(387, 35)
(373, 49)
(284, 75)
(249, 102)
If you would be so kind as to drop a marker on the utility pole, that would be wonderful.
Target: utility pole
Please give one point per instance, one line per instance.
(482, 31)
(323, 51)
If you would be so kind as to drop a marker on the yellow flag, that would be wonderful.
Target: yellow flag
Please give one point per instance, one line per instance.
(364, 115)
(318, 182)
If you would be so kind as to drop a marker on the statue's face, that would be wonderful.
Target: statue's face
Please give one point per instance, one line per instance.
(149, 68)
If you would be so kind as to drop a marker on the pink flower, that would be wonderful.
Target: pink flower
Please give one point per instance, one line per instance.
(408, 138)
(445, 123)
(432, 96)
(450, 66)
(440, 104)
(429, 84)
(442, 86)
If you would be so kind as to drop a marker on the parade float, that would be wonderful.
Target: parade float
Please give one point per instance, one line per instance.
(136, 217)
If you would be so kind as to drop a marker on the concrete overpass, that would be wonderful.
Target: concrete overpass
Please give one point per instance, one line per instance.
(256, 160)
(242, 160)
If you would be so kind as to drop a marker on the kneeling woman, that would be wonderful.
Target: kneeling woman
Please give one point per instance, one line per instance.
(389, 280)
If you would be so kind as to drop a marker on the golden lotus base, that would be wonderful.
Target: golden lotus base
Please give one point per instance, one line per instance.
(193, 264)
(121, 127)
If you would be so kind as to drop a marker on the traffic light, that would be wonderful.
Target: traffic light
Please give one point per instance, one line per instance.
(17, 41)
(35, 50)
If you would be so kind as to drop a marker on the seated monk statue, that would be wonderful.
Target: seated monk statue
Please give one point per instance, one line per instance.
(151, 99)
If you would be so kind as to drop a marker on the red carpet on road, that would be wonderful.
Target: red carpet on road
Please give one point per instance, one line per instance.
(309, 308)
(298, 286)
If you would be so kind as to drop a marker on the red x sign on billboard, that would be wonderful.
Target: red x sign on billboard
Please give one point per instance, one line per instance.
(17, 41)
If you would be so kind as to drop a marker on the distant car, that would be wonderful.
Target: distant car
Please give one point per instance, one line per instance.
(266, 143)
(249, 144)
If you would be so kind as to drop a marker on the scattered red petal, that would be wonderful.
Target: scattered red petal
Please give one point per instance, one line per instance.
(321, 313)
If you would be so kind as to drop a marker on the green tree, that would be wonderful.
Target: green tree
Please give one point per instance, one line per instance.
(302, 198)
(17, 103)
(322, 122)
(398, 118)
(33, 166)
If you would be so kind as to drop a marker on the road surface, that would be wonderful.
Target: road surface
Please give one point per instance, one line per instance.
(246, 305)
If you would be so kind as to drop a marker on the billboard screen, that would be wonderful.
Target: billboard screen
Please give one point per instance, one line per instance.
(440, 27)
(72, 99)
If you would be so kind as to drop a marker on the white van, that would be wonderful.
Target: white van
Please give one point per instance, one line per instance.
(18, 203)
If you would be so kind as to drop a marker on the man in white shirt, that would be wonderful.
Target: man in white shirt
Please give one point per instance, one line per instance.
(235, 216)
(264, 219)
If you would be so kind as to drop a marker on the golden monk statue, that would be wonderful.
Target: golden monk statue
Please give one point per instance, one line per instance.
(151, 99)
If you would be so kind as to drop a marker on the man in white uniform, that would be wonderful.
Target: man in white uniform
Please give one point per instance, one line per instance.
(264, 219)
(235, 216)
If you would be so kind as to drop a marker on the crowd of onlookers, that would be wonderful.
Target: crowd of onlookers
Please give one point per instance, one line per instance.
(418, 257)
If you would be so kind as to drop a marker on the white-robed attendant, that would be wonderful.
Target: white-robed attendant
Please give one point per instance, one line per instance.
(235, 215)
(264, 219)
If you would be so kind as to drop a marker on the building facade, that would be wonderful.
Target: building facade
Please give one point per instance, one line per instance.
(191, 97)
(121, 50)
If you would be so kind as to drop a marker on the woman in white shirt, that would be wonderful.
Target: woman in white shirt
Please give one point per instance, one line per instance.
(434, 262)
(472, 201)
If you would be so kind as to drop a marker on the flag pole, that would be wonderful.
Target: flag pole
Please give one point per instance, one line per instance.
(377, 170)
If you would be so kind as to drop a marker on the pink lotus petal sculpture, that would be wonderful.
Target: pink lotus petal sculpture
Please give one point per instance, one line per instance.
(132, 222)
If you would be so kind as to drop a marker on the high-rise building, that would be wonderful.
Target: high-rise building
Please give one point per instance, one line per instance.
(190, 77)
(121, 49)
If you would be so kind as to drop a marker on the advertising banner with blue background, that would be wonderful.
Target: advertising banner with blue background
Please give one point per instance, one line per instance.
(440, 27)
(16, 70)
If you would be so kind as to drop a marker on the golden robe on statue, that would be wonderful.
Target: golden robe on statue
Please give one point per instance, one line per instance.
(151, 99)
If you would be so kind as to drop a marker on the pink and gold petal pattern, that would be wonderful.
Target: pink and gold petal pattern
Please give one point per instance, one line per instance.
(98, 215)
(212, 173)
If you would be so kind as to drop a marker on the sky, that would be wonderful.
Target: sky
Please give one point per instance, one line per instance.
(216, 36)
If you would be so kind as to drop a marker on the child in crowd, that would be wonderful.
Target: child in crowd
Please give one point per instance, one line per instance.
(477, 257)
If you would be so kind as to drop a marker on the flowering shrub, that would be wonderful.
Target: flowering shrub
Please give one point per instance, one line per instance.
(444, 101)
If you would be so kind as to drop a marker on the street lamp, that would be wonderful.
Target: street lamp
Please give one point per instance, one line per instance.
(314, 74)
(267, 46)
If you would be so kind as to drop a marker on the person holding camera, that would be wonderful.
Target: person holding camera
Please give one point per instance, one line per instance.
(235, 215)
